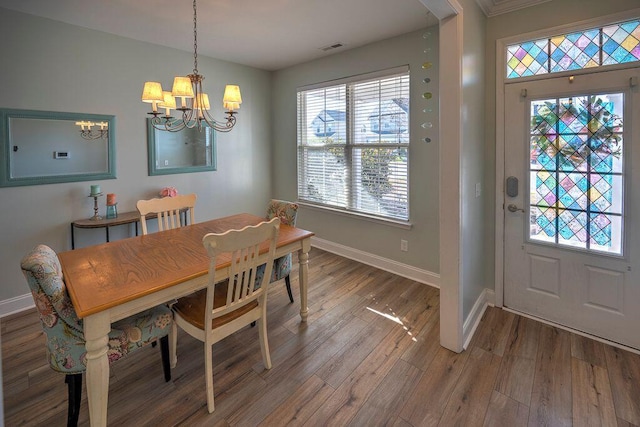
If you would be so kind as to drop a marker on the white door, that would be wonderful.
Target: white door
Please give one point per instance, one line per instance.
(572, 231)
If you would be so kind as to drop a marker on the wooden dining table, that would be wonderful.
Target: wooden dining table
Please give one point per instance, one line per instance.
(111, 281)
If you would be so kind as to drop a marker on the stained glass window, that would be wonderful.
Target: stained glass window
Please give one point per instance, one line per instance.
(576, 169)
(610, 45)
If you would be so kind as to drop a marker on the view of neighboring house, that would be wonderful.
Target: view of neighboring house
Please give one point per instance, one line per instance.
(330, 123)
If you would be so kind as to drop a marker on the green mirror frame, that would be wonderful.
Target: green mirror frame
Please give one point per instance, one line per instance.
(185, 151)
(46, 147)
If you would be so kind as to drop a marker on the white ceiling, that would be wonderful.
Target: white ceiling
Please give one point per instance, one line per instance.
(267, 34)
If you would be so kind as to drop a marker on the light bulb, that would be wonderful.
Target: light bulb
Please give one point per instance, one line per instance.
(426, 65)
(427, 139)
(426, 80)
(427, 125)
(427, 95)
(426, 34)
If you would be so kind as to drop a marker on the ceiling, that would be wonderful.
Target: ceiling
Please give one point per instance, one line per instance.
(270, 34)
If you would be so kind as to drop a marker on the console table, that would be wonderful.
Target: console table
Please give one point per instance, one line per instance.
(121, 219)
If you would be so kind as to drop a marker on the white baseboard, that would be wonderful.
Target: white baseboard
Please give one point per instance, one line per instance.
(16, 304)
(486, 299)
(404, 270)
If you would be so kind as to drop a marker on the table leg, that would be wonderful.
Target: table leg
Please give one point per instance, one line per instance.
(107, 228)
(303, 272)
(73, 243)
(96, 331)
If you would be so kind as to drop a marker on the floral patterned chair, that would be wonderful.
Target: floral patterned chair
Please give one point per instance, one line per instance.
(287, 212)
(64, 330)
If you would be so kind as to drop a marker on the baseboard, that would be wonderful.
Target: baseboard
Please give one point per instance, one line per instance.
(16, 304)
(486, 299)
(404, 270)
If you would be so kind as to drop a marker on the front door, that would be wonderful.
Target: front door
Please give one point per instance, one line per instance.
(572, 202)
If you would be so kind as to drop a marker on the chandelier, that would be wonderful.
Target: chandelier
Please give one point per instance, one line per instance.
(194, 102)
(87, 132)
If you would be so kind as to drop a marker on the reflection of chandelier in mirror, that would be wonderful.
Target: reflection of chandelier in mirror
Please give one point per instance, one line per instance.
(87, 132)
(194, 106)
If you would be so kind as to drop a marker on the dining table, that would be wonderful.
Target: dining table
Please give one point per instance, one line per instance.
(110, 281)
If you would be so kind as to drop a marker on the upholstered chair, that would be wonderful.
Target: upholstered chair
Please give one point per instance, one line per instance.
(287, 212)
(64, 330)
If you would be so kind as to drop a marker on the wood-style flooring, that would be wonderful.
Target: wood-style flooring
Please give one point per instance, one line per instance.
(368, 356)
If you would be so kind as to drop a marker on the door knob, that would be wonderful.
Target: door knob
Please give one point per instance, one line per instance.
(514, 208)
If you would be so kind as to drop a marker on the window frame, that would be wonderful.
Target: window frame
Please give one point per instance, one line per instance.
(351, 146)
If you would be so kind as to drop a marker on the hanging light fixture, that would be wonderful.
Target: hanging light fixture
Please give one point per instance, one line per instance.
(194, 103)
(88, 133)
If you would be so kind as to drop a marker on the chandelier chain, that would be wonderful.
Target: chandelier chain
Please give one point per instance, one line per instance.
(195, 38)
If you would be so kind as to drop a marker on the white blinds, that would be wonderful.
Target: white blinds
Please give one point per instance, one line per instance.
(353, 141)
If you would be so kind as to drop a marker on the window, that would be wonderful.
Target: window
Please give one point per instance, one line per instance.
(596, 47)
(353, 141)
(576, 168)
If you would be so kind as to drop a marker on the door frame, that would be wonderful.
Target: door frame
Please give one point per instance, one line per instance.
(501, 83)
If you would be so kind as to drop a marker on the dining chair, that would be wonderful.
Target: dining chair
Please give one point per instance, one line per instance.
(64, 330)
(168, 210)
(288, 213)
(225, 307)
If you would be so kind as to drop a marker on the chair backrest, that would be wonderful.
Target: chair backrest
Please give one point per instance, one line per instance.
(286, 211)
(64, 331)
(167, 210)
(242, 247)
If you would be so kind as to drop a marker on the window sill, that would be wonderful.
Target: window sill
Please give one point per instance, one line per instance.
(406, 225)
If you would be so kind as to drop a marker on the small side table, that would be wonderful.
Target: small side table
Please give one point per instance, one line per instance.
(122, 218)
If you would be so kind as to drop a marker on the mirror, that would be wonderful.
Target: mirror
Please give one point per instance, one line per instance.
(188, 150)
(46, 147)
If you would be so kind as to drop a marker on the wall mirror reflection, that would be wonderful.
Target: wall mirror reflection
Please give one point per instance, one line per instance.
(188, 150)
(45, 147)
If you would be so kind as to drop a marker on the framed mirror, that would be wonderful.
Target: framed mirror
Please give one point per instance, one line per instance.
(188, 150)
(46, 147)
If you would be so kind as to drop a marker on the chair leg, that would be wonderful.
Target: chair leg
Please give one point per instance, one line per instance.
(74, 381)
(208, 374)
(287, 281)
(173, 345)
(164, 350)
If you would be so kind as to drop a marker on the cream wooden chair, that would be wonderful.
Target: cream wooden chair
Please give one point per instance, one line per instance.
(167, 210)
(225, 307)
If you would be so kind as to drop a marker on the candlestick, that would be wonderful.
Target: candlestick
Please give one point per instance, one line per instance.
(95, 216)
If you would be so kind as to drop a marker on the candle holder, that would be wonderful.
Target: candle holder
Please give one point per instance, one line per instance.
(95, 216)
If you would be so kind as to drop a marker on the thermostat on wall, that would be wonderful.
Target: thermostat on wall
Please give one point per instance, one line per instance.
(61, 155)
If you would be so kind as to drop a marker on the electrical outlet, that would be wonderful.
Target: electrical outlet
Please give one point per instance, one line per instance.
(404, 245)
(166, 162)
(478, 189)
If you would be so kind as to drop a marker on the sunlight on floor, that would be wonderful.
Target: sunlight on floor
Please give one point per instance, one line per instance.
(395, 319)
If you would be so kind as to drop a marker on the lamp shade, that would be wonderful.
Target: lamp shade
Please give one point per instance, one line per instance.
(202, 102)
(168, 100)
(232, 98)
(152, 92)
(182, 87)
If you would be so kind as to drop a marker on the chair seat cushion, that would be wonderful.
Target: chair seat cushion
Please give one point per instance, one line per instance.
(138, 330)
(192, 307)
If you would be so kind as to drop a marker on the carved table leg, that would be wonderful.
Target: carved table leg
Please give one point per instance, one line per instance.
(303, 261)
(96, 331)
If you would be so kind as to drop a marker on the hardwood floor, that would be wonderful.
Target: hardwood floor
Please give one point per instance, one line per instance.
(369, 355)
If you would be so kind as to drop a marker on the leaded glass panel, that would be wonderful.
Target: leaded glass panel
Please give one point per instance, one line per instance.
(595, 47)
(576, 165)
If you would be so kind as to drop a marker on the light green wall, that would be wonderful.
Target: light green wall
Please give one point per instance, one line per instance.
(48, 65)
(473, 257)
(379, 239)
(547, 15)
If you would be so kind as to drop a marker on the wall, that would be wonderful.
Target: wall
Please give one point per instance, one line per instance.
(472, 156)
(360, 234)
(48, 65)
(546, 15)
